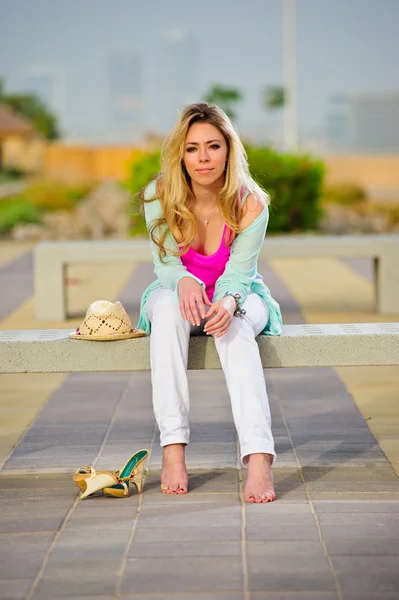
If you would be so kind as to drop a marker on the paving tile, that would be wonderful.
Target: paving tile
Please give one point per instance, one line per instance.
(25, 551)
(287, 570)
(367, 574)
(32, 522)
(369, 596)
(17, 278)
(349, 496)
(15, 589)
(278, 508)
(93, 527)
(39, 596)
(163, 548)
(387, 546)
(268, 527)
(204, 501)
(382, 475)
(92, 581)
(183, 596)
(189, 516)
(308, 595)
(106, 509)
(363, 527)
(81, 552)
(185, 574)
(356, 506)
(187, 534)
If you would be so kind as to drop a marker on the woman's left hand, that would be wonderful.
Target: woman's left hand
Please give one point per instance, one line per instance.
(220, 316)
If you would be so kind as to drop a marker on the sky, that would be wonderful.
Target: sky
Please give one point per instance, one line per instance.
(343, 46)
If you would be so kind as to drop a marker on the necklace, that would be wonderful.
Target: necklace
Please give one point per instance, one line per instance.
(211, 215)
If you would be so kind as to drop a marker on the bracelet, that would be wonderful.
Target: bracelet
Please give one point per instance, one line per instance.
(239, 312)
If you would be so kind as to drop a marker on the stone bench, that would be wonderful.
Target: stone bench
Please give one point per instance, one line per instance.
(52, 258)
(52, 351)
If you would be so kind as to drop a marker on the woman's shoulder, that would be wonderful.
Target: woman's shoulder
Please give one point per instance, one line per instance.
(150, 190)
(254, 207)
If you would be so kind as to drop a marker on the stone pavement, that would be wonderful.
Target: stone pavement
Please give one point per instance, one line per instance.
(331, 534)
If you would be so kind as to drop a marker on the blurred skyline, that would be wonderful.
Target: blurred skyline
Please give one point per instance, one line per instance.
(78, 55)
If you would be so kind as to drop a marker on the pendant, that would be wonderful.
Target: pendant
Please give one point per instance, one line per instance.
(207, 222)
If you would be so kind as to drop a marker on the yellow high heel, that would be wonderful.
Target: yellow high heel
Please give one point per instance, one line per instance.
(89, 480)
(132, 472)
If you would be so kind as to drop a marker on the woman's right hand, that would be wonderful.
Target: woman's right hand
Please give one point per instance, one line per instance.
(192, 300)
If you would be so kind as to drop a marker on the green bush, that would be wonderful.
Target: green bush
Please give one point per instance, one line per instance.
(50, 196)
(142, 171)
(11, 174)
(17, 211)
(294, 183)
(345, 194)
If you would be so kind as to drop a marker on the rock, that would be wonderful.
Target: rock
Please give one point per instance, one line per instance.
(340, 220)
(104, 214)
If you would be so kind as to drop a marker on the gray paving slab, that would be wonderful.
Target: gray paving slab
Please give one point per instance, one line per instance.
(186, 574)
(14, 589)
(285, 570)
(22, 554)
(370, 507)
(308, 595)
(16, 277)
(71, 581)
(361, 266)
(183, 595)
(357, 574)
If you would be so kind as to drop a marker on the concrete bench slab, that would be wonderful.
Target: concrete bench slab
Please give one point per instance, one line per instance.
(52, 258)
(52, 351)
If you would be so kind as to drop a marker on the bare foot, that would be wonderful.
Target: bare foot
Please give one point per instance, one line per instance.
(174, 478)
(259, 486)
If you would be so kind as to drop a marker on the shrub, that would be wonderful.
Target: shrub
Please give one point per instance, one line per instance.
(345, 194)
(11, 174)
(142, 170)
(293, 182)
(48, 195)
(17, 211)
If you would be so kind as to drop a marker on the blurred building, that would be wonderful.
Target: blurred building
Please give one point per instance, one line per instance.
(48, 82)
(375, 122)
(177, 76)
(125, 106)
(363, 122)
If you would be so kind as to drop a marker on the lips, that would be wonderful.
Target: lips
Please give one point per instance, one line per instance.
(204, 170)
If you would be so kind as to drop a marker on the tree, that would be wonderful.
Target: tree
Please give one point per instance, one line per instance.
(34, 109)
(225, 97)
(274, 97)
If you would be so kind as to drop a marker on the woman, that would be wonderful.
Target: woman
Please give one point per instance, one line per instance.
(207, 220)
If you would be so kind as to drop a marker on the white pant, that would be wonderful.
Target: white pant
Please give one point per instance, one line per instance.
(239, 356)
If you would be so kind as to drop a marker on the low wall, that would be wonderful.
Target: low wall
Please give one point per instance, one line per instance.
(378, 174)
(84, 163)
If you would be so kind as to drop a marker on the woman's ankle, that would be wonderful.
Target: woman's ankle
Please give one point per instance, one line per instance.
(174, 452)
(259, 459)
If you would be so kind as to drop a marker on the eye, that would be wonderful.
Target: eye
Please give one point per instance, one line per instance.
(190, 149)
(215, 146)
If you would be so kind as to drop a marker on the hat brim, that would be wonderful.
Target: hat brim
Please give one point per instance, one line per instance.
(107, 338)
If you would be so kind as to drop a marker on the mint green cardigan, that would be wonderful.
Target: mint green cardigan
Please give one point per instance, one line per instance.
(240, 275)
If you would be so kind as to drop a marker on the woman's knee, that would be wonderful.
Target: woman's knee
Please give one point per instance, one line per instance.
(165, 306)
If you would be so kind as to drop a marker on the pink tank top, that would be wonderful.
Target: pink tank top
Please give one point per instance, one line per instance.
(208, 268)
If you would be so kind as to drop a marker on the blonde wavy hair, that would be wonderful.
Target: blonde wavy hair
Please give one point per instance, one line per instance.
(173, 184)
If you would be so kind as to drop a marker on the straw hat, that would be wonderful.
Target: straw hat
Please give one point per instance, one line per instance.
(105, 321)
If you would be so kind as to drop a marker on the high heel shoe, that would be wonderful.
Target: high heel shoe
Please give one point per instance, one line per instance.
(115, 483)
(132, 472)
(89, 480)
